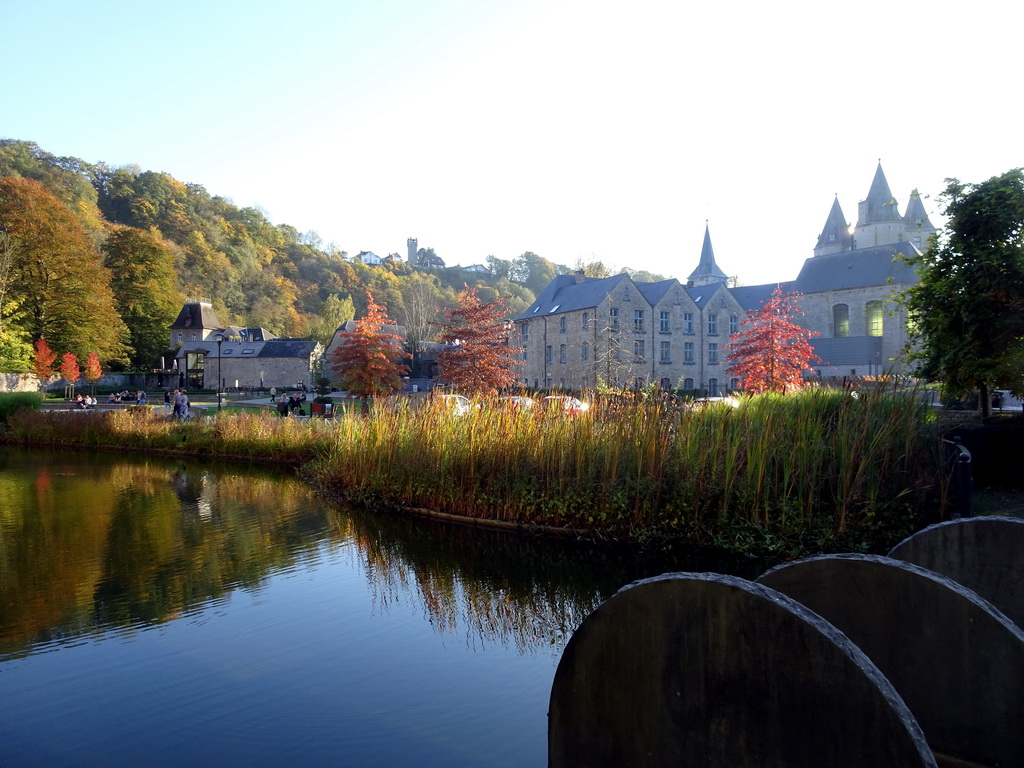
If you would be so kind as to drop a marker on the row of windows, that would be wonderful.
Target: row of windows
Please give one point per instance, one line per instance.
(712, 388)
(639, 352)
(664, 323)
(873, 316)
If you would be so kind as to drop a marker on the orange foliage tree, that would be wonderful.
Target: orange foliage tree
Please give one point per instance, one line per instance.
(92, 371)
(366, 362)
(771, 352)
(478, 359)
(43, 359)
(70, 372)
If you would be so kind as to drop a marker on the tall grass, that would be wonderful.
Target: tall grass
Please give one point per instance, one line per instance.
(800, 471)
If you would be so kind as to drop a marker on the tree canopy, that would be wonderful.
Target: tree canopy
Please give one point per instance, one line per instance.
(966, 315)
(770, 353)
(478, 359)
(366, 362)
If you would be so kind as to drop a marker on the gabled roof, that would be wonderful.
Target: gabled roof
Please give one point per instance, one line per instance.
(836, 231)
(703, 294)
(564, 294)
(655, 292)
(856, 269)
(707, 268)
(278, 348)
(880, 205)
(196, 314)
(248, 334)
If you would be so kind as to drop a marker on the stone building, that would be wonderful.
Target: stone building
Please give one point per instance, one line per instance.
(583, 330)
(241, 357)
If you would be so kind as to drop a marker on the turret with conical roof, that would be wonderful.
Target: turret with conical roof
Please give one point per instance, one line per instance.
(707, 270)
(835, 236)
(919, 226)
(878, 220)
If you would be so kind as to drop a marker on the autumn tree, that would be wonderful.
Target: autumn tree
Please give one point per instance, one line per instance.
(366, 362)
(477, 358)
(145, 288)
(70, 372)
(59, 288)
(966, 315)
(93, 370)
(771, 352)
(43, 359)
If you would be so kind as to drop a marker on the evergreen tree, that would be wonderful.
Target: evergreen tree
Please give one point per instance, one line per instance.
(478, 359)
(771, 352)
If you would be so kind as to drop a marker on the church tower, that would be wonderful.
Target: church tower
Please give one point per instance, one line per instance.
(707, 271)
(878, 217)
(919, 228)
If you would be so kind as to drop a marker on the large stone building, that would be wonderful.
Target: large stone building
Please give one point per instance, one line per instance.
(583, 330)
(206, 350)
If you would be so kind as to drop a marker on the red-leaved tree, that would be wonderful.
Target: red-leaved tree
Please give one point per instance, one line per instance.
(771, 352)
(70, 372)
(478, 359)
(43, 359)
(93, 370)
(367, 361)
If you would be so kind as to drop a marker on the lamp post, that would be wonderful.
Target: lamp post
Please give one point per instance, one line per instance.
(220, 400)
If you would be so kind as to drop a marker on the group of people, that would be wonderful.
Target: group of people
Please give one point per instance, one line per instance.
(85, 402)
(139, 396)
(291, 403)
(178, 401)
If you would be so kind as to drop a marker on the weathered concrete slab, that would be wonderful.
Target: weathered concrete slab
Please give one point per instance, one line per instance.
(706, 670)
(957, 662)
(985, 554)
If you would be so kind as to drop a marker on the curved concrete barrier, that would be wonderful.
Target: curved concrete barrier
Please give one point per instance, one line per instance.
(985, 554)
(957, 662)
(710, 670)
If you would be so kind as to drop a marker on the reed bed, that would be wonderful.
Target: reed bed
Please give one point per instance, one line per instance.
(805, 472)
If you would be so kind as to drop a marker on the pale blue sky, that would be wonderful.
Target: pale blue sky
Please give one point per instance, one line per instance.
(571, 128)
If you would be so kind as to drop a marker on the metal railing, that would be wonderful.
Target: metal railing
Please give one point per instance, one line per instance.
(959, 461)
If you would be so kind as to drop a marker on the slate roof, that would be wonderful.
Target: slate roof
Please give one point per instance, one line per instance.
(753, 297)
(880, 204)
(196, 314)
(856, 269)
(836, 230)
(655, 292)
(295, 348)
(302, 348)
(564, 294)
(916, 215)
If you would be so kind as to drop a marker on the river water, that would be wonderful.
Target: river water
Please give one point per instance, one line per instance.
(160, 613)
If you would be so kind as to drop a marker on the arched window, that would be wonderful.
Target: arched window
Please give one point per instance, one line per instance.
(873, 310)
(586, 320)
(687, 383)
(841, 321)
(713, 387)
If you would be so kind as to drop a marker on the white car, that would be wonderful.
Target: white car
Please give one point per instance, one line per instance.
(460, 404)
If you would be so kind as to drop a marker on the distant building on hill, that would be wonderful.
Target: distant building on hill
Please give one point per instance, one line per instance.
(581, 330)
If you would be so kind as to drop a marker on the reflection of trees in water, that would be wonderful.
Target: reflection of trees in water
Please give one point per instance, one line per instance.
(93, 542)
(487, 585)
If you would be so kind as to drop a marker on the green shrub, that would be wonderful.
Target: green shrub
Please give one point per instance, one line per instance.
(14, 401)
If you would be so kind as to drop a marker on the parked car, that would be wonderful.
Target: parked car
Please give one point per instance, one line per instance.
(730, 402)
(517, 403)
(566, 404)
(459, 404)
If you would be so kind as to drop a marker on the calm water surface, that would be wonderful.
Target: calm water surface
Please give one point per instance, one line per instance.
(165, 614)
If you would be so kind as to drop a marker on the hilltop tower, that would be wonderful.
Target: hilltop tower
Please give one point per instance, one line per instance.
(412, 244)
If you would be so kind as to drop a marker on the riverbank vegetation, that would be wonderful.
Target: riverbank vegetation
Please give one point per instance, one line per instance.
(816, 471)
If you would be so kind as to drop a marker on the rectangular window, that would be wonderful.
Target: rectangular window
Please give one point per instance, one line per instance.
(561, 324)
(687, 351)
(562, 353)
(712, 324)
(666, 322)
(666, 351)
(526, 355)
(712, 353)
(524, 332)
(688, 322)
(585, 353)
(547, 354)
(638, 320)
(638, 349)
(586, 320)
(613, 317)
(734, 325)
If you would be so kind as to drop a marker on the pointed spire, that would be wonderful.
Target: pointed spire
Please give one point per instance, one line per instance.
(880, 205)
(835, 235)
(707, 270)
(917, 217)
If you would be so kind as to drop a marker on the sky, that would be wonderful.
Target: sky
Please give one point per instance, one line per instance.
(580, 130)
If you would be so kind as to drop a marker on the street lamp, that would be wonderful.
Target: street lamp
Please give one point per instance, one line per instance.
(220, 400)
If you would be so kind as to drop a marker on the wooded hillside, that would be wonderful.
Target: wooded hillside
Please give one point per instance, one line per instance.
(100, 259)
